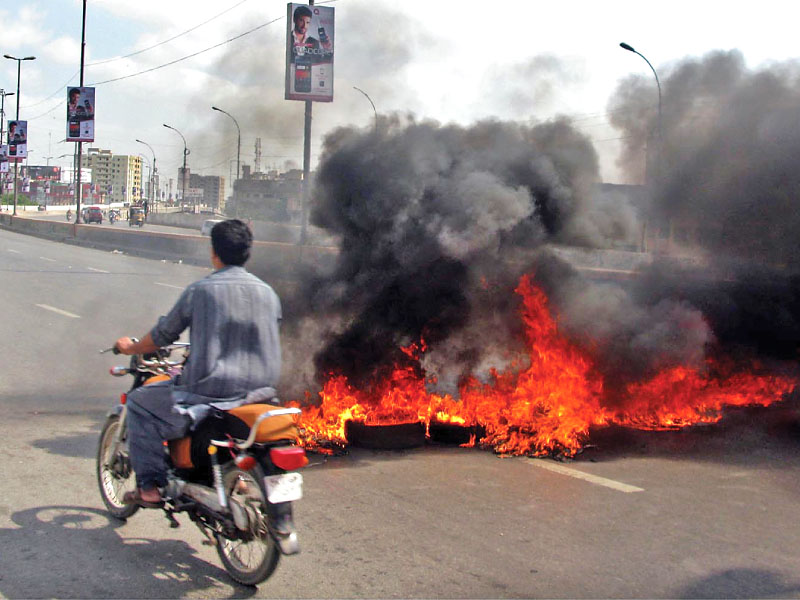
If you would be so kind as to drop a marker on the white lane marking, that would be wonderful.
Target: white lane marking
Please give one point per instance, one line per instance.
(14, 251)
(168, 285)
(59, 311)
(98, 270)
(609, 483)
(50, 259)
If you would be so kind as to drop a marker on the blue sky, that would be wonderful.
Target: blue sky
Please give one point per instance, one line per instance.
(443, 60)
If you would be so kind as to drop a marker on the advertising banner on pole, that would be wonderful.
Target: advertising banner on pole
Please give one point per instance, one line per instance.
(309, 52)
(4, 158)
(80, 114)
(17, 140)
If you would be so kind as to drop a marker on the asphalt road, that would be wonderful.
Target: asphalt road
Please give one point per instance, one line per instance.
(710, 512)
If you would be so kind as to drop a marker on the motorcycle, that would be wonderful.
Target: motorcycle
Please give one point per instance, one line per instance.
(235, 475)
(112, 216)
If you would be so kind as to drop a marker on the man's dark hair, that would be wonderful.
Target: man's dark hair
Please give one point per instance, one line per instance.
(74, 92)
(301, 11)
(231, 241)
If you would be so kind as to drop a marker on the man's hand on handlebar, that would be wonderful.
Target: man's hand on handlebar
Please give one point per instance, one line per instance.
(127, 345)
(124, 345)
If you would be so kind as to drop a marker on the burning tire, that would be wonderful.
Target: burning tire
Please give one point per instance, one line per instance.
(385, 437)
(453, 434)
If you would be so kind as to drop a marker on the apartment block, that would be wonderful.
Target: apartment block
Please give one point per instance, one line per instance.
(117, 176)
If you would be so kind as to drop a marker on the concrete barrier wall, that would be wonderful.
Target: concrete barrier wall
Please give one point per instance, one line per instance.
(268, 259)
(262, 230)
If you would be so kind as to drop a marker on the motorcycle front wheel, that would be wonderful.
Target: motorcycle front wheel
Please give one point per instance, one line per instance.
(114, 472)
(248, 561)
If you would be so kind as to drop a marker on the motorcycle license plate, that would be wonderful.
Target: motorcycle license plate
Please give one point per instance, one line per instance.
(284, 488)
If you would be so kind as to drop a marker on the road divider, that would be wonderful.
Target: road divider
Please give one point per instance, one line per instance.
(268, 260)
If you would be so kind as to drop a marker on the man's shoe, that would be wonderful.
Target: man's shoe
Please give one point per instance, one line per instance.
(135, 497)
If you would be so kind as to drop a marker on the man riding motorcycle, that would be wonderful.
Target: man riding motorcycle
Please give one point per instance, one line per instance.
(233, 319)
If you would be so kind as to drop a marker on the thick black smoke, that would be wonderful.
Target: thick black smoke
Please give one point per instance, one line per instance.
(437, 224)
(427, 214)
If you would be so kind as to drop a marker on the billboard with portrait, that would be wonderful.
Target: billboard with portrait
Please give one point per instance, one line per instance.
(3, 158)
(309, 52)
(80, 114)
(17, 140)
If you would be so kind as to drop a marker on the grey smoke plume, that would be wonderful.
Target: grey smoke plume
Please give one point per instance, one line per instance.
(533, 86)
(374, 47)
(730, 138)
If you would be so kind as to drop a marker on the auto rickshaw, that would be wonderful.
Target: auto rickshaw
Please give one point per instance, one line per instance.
(135, 216)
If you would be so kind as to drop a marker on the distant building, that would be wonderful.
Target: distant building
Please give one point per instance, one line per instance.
(269, 196)
(213, 190)
(118, 178)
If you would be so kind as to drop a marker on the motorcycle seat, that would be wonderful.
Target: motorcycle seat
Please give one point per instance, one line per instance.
(280, 427)
(190, 451)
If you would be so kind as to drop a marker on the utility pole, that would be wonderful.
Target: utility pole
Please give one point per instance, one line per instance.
(79, 145)
(306, 165)
(3, 95)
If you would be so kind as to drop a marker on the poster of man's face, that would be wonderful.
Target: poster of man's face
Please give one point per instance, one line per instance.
(17, 140)
(80, 114)
(309, 52)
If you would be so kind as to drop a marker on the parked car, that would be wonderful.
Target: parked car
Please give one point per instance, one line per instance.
(92, 214)
(208, 225)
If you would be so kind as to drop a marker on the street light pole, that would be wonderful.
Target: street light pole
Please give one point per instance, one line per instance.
(659, 142)
(373, 107)
(16, 162)
(185, 154)
(79, 145)
(238, 147)
(3, 95)
(152, 173)
(630, 48)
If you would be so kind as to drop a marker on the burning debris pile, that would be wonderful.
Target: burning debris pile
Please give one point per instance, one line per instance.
(446, 306)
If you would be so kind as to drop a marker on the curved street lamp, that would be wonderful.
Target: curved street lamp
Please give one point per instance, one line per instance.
(152, 172)
(239, 133)
(630, 48)
(373, 107)
(185, 154)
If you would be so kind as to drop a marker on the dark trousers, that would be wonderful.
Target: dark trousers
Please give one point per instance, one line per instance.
(151, 420)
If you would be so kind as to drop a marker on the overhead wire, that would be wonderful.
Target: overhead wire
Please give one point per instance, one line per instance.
(175, 37)
(141, 51)
(199, 52)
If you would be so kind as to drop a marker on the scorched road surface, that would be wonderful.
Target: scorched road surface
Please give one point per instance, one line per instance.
(711, 512)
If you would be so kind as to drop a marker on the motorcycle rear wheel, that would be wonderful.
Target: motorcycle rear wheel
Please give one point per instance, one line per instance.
(114, 482)
(248, 562)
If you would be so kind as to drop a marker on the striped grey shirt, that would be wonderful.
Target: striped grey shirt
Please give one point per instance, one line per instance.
(233, 320)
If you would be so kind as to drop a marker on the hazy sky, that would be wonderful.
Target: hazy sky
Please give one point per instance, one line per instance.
(444, 60)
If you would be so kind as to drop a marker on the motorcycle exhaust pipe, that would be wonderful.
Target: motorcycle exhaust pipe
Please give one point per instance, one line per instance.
(207, 497)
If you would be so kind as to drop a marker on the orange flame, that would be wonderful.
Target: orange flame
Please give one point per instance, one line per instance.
(544, 403)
